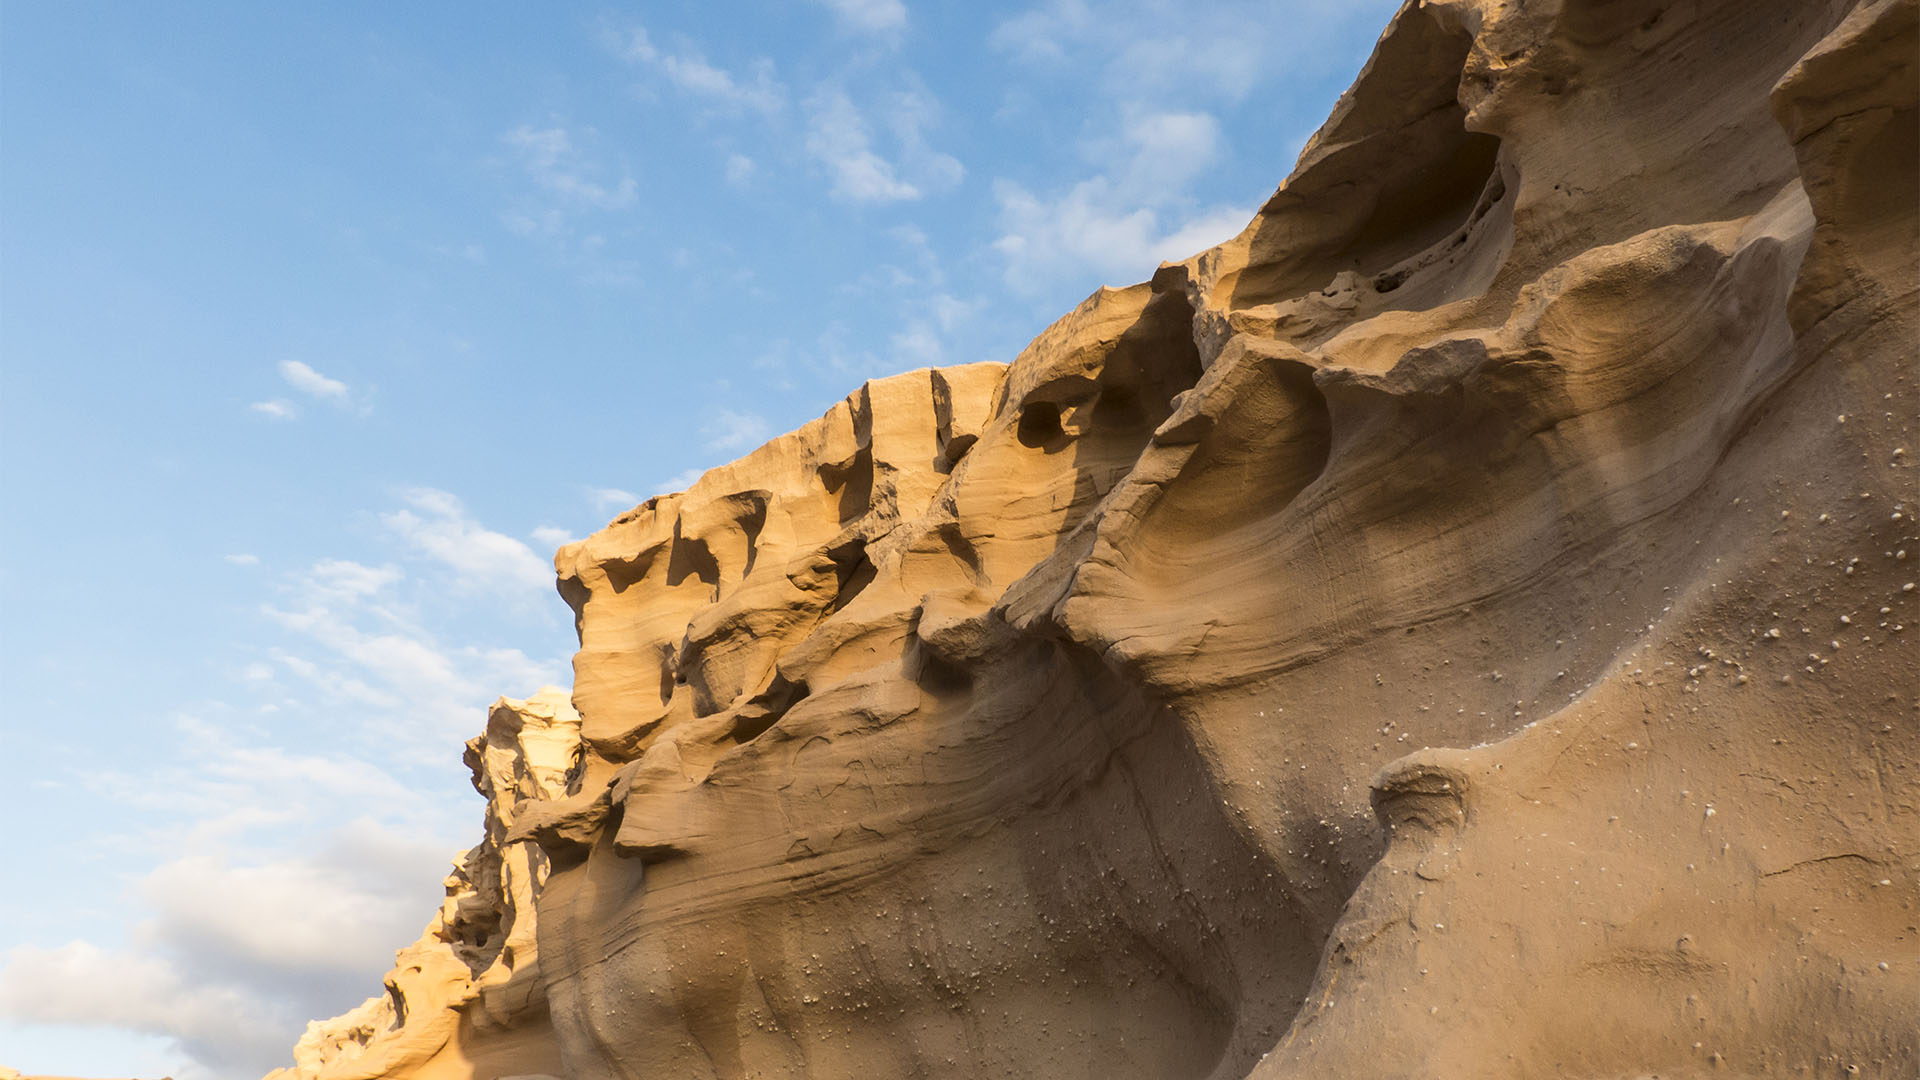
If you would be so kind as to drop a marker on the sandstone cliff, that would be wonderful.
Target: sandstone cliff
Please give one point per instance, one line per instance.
(1455, 628)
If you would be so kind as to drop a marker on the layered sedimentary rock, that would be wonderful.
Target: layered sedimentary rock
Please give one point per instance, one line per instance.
(1459, 627)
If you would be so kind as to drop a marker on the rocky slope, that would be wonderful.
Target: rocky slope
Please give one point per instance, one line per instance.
(1459, 627)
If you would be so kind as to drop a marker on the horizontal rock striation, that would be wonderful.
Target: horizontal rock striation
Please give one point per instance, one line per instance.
(1459, 627)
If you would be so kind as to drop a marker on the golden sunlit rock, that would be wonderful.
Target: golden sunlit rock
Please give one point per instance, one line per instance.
(1459, 627)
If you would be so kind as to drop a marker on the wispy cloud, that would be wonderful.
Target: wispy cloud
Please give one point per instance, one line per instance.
(917, 346)
(243, 558)
(370, 652)
(870, 16)
(740, 170)
(310, 382)
(552, 161)
(1120, 224)
(839, 137)
(303, 378)
(687, 70)
(681, 480)
(437, 524)
(949, 312)
(343, 580)
(552, 536)
(1140, 50)
(610, 499)
(537, 224)
(281, 846)
(730, 430)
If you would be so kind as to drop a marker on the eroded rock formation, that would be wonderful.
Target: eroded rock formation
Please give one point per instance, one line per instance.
(1459, 627)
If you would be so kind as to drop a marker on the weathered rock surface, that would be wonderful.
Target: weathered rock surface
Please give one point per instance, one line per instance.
(1459, 627)
(467, 998)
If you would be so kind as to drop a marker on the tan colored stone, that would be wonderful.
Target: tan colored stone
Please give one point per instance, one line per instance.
(1459, 627)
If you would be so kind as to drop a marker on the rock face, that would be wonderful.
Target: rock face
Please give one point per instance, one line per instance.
(1459, 627)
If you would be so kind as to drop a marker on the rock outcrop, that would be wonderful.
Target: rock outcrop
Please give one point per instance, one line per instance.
(1459, 627)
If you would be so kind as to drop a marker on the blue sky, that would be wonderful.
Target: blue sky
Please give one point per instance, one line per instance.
(322, 325)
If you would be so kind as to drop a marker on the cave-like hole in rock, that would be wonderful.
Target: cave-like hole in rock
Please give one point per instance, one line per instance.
(767, 707)
(1118, 407)
(624, 574)
(753, 521)
(941, 678)
(852, 572)
(691, 557)
(669, 674)
(1039, 425)
(852, 481)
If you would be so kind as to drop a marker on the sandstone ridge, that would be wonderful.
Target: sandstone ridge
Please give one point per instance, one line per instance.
(1461, 626)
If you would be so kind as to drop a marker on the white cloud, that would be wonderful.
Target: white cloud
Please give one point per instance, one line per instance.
(926, 269)
(1143, 50)
(632, 44)
(910, 116)
(914, 239)
(1122, 224)
(300, 666)
(224, 784)
(234, 957)
(310, 382)
(544, 224)
(551, 160)
(297, 916)
(606, 499)
(234, 946)
(841, 355)
(917, 346)
(1199, 233)
(740, 169)
(682, 480)
(438, 525)
(730, 430)
(763, 94)
(277, 409)
(284, 845)
(689, 71)
(343, 580)
(1169, 149)
(243, 559)
(357, 641)
(838, 137)
(1038, 35)
(951, 311)
(871, 16)
(1165, 69)
(377, 660)
(225, 1028)
(552, 536)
